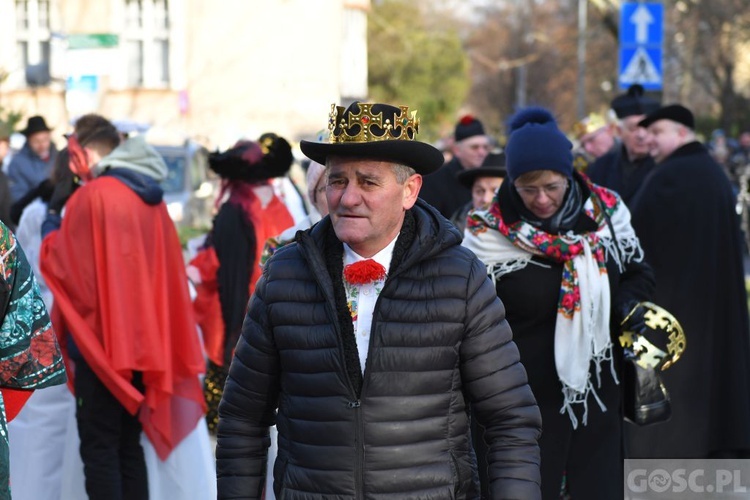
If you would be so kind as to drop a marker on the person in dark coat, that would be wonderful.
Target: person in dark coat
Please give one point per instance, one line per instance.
(568, 267)
(470, 147)
(371, 336)
(684, 215)
(483, 182)
(624, 167)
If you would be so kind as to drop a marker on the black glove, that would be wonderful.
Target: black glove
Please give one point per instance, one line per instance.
(60, 194)
(634, 318)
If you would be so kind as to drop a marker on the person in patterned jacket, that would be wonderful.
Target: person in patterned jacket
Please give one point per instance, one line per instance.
(31, 357)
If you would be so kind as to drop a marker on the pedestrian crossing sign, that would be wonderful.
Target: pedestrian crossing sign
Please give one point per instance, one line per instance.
(641, 37)
(640, 67)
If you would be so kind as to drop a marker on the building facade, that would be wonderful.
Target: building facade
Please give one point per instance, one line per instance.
(189, 69)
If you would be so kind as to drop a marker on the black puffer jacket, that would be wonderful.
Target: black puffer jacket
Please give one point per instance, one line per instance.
(439, 340)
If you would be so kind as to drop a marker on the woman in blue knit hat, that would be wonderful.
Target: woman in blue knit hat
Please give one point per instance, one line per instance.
(568, 267)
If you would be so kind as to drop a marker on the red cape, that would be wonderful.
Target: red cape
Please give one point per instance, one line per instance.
(117, 273)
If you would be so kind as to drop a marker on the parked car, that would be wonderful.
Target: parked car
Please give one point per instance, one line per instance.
(189, 188)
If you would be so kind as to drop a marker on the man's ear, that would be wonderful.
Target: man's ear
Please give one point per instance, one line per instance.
(411, 190)
(92, 156)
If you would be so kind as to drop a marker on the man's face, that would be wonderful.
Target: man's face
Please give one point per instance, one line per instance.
(598, 142)
(483, 190)
(745, 140)
(472, 151)
(634, 138)
(40, 143)
(664, 137)
(366, 203)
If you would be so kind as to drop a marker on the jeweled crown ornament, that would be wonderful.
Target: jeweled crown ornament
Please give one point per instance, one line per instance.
(368, 126)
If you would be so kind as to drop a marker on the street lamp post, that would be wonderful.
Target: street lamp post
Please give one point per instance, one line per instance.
(581, 87)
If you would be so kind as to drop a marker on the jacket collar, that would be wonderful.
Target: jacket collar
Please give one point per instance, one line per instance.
(688, 149)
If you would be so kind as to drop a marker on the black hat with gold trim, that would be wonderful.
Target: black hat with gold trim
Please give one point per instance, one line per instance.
(377, 131)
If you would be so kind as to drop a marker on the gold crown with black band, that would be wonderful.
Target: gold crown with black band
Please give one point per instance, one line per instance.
(647, 355)
(367, 126)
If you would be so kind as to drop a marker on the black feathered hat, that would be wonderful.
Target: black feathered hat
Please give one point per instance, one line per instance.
(673, 112)
(492, 166)
(253, 161)
(377, 131)
(633, 102)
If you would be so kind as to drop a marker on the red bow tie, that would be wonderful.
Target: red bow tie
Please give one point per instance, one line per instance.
(363, 272)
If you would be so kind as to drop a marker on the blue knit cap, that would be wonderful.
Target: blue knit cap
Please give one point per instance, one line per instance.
(535, 143)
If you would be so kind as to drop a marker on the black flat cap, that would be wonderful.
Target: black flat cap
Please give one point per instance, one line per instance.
(673, 112)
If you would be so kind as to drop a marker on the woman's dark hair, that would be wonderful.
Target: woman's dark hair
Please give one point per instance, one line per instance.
(61, 170)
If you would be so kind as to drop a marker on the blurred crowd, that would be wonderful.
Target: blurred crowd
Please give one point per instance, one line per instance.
(264, 356)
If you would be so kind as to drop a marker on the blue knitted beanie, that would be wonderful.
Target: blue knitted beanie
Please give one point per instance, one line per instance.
(535, 143)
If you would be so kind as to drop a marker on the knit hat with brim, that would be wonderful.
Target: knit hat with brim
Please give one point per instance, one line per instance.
(375, 131)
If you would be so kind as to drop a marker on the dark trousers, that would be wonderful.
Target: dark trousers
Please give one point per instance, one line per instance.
(113, 461)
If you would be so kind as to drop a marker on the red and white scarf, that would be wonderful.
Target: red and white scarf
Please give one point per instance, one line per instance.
(583, 312)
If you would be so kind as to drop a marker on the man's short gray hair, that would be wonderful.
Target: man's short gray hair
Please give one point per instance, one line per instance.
(403, 173)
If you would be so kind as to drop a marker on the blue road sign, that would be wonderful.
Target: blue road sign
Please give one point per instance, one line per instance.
(641, 38)
(83, 83)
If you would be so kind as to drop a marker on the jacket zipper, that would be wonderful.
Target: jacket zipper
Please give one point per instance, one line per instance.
(359, 448)
(353, 404)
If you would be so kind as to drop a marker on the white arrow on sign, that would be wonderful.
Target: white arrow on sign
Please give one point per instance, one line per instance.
(641, 18)
(640, 69)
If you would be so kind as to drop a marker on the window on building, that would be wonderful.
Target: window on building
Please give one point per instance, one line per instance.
(32, 32)
(146, 40)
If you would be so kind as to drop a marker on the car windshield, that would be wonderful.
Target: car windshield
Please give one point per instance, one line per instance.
(175, 180)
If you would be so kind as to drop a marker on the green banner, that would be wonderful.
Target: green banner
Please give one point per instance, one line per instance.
(93, 41)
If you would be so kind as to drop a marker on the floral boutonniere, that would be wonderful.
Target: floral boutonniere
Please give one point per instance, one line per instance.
(364, 272)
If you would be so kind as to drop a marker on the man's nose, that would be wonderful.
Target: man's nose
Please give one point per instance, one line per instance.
(351, 195)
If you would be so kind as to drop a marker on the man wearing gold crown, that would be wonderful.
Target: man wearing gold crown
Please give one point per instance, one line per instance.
(594, 134)
(368, 339)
